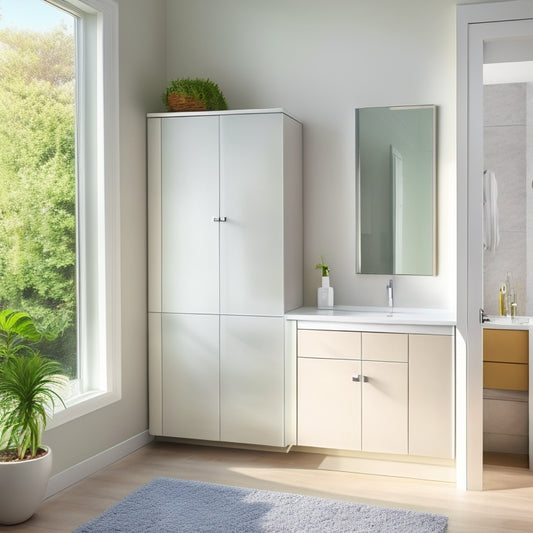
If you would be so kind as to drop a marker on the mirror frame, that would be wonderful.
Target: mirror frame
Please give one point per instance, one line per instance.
(433, 184)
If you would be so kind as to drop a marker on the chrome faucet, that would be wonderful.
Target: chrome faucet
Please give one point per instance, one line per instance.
(390, 295)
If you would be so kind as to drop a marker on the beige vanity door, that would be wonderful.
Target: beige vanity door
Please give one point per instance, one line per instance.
(329, 403)
(431, 396)
(384, 408)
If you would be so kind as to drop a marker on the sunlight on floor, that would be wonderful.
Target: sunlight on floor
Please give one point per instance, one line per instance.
(343, 485)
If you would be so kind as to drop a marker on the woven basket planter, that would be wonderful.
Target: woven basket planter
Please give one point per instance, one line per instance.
(178, 102)
(185, 94)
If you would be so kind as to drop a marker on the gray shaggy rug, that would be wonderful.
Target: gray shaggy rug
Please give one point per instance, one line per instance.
(174, 505)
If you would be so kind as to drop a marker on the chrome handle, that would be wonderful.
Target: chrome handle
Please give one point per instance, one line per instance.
(220, 219)
(360, 378)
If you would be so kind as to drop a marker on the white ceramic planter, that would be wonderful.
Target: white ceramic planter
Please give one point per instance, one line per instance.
(325, 294)
(22, 487)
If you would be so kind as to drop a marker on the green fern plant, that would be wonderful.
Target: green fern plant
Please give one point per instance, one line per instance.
(30, 386)
(201, 89)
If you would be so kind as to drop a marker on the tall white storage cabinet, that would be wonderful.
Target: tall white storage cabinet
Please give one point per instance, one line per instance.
(225, 264)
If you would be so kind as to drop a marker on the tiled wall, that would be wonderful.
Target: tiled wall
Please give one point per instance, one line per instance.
(505, 109)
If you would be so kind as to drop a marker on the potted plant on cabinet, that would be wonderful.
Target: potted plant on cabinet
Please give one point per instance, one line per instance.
(30, 387)
(325, 292)
(196, 94)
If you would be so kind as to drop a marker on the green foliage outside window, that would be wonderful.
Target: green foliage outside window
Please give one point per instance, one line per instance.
(37, 183)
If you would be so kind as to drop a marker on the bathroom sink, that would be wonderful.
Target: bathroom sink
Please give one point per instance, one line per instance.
(377, 315)
(396, 314)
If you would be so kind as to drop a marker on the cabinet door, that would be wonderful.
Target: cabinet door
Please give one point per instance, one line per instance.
(431, 395)
(384, 407)
(190, 371)
(329, 403)
(190, 202)
(251, 198)
(252, 380)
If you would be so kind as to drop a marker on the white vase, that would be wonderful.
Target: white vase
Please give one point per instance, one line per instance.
(325, 294)
(23, 487)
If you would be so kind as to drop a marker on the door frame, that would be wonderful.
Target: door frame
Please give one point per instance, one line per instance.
(475, 23)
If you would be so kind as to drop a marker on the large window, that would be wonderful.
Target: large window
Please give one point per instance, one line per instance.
(38, 170)
(59, 254)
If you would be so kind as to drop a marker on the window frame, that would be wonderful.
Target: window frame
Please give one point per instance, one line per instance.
(98, 208)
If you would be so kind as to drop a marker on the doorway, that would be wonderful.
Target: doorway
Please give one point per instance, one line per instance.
(479, 26)
(507, 192)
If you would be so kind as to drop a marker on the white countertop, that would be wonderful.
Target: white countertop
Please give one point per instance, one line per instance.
(507, 322)
(375, 315)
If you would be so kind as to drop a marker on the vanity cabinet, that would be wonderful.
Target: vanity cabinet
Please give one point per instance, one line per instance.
(376, 392)
(506, 359)
(225, 263)
(352, 390)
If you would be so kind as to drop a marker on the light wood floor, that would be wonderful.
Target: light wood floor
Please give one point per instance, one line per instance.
(505, 506)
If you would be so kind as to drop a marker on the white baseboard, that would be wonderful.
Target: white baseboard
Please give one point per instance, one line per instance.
(76, 473)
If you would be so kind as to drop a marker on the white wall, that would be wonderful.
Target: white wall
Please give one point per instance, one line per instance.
(142, 56)
(320, 59)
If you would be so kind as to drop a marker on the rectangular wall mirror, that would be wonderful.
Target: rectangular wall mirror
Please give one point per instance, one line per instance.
(396, 190)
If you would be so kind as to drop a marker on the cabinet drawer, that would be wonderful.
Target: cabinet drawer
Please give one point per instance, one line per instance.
(505, 345)
(329, 344)
(507, 376)
(385, 347)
